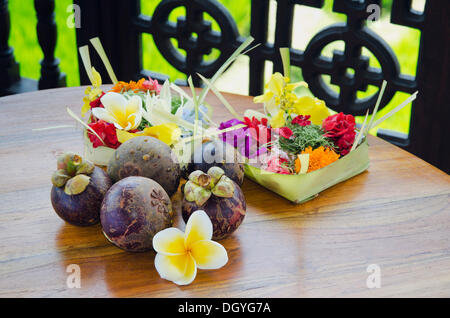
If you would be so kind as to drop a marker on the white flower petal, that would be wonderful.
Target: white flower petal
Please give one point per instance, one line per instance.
(134, 105)
(198, 228)
(169, 242)
(189, 274)
(119, 127)
(137, 120)
(114, 103)
(102, 114)
(209, 254)
(172, 267)
(166, 96)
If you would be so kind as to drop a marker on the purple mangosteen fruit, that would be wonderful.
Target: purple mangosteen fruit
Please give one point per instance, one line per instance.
(146, 157)
(216, 153)
(133, 211)
(78, 190)
(219, 196)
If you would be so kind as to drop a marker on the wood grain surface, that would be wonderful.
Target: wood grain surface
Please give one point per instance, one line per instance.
(395, 215)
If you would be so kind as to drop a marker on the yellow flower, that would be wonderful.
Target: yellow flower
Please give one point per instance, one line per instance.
(167, 133)
(125, 114)
(279, 96)
(92, 93)
(180, 254)
(278, 120)
(311, 106)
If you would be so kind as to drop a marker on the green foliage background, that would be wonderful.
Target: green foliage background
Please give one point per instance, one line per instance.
(28, 53)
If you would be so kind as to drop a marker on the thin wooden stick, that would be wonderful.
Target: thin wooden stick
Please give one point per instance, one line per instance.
(361, 132)
(375, 110)
(220, 96)
(396, 109)
(72, 114)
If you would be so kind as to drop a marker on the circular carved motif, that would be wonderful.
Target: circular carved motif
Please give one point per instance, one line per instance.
(316, 65)
(194, 35)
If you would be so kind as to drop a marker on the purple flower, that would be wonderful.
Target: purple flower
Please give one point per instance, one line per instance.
(240, 138)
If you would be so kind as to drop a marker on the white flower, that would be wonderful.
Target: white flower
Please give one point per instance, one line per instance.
(125, 114)
(180, 254)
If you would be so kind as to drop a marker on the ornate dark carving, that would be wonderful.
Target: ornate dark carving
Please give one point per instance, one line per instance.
(403, 14)
(51, 76)
(9, 68)
(193, 33)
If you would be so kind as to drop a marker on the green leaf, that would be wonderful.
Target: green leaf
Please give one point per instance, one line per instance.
(286, 59)
(220, 96)
(225, 65)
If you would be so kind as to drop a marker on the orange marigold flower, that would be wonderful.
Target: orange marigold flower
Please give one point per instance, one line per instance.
(320, 157)
(132, 85)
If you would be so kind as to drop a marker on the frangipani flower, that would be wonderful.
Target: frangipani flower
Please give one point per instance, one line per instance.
(180, 254)
(125, 114)
(92, 93)
(167, 133)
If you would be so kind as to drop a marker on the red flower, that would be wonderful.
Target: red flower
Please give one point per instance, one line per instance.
(259, 130)
(97, 102)
(341, 129)
(106, 131)
(285, 132)
(302, 120)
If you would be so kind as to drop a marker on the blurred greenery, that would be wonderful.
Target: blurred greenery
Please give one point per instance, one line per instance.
(28, 53)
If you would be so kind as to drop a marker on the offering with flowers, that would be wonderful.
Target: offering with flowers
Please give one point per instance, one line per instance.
(296, 147)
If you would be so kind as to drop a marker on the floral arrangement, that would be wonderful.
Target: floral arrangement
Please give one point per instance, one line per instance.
(299, 137)
(142, 108)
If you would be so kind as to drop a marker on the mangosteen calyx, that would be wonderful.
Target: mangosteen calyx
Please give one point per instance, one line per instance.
(72, 174)
(202, 185)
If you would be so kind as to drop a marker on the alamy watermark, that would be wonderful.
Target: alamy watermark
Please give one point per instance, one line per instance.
(374, 279)
(74, 20)
(74, 279)
(375, 13)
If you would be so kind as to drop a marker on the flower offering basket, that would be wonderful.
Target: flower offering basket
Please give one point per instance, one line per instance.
(304, 187)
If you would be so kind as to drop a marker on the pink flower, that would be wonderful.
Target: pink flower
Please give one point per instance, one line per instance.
(152, 85)
(275, 164)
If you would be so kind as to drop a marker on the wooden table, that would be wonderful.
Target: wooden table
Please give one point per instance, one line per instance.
(396, 215)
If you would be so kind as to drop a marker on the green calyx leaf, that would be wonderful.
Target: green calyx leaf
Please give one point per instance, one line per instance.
(216, 173)
(224, 188)
(77, 184)
(86, 168)
(70, 165)
(59, 178)
(201, 185)
(196, 193)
